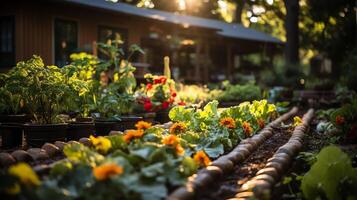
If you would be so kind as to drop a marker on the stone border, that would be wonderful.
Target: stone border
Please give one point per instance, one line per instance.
(260, 186)
(225, 164)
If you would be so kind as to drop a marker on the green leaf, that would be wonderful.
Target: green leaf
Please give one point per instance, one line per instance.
(214, 151)
(189, 166)
(331, 176)
(79, 153)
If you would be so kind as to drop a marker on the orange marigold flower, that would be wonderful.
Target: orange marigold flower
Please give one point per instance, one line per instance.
(106, 171)
(261, 123)
(228, 122)
(339, 120)
(201, 159)
(170, 140)
(173, 140)
(179, 150)
(177, 128)
(142, 125)
(132, 134)
(247, 129)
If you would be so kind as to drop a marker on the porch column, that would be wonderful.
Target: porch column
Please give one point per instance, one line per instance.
(229, 63)
(198, 61)
(207, 63)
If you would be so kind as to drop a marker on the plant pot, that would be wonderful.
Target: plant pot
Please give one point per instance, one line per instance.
(19, 119)
(84, 119)
(162, 116)
(148, 117)
(227, 104)
(78, 130)
(11, 135)
(103, 127)
(127, 122)
(36, 134)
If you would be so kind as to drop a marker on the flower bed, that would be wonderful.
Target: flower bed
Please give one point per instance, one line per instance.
(148, 162)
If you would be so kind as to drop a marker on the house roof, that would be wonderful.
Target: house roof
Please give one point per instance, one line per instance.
(230, 30)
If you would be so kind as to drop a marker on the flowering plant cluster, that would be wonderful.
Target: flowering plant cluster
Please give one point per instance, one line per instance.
(219, 130)
(143, 163)
(157, 94)
(345, 120)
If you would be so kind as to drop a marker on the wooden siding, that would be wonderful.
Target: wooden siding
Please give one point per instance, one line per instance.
(34, 26)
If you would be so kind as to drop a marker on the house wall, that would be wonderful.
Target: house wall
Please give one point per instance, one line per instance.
(34, 34)
(34, 26)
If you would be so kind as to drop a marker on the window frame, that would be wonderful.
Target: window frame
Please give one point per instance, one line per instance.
(12, 20)
(55, 19)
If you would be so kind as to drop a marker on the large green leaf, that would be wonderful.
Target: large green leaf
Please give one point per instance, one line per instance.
(330, 176)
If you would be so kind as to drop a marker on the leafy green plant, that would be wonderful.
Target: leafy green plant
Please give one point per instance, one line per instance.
(205, 127)
(116, 98)
(240, 93)
(11, 100)
(331, 176)
(192, 94)
(344, 118)
(43, 89)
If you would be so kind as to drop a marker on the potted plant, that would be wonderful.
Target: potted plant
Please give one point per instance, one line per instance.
(12, 115)
(114, 98)
(44, 90)
(158, 95)
(79, 76)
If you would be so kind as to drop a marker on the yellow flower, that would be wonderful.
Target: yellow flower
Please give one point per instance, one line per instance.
(132, 134)
(177, 128)
(106, 171)
(247, 129)
(228, 122)
(101, 144)
(201, 159)
(116, 77)
(13, 190)
(297, 121)
(142, 125)
(25, 173)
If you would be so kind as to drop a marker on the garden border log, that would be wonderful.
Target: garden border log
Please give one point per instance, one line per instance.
(225, 163)
(277, 165)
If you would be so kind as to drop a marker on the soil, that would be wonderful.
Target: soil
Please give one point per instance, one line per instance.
(228, 187)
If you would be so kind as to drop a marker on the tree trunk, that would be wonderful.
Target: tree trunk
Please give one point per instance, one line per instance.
(292, 31)
(239, 11)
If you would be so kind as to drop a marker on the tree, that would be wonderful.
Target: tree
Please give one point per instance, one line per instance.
(292, 31)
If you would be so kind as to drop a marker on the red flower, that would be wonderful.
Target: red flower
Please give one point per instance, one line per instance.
(148, 86)
(353, 132)
(339, 120)
(174, 94)
(160, 80)
(171, 100)
(181, 103)
(148, 105)
(165, 104)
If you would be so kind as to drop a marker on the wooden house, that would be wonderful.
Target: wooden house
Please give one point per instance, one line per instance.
(201, 50)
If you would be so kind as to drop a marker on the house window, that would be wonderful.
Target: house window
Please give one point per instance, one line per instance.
(107, 34)
(66, 40)
(7, 41)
